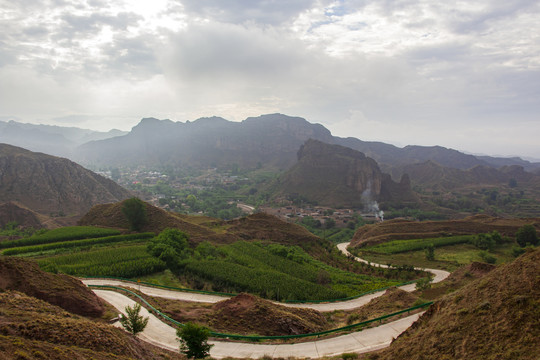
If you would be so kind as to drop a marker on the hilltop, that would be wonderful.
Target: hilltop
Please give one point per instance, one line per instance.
(52, 186)
(110, 215)
(400, 229)
(494, 317)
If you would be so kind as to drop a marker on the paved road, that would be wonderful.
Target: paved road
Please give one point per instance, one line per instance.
(163, 335)
(206, 298)
(367, 340)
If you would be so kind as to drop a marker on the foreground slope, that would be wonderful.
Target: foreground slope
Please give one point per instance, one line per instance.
(494, 317)
(40, 318)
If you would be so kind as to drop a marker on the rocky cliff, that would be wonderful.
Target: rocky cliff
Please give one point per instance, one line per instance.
(337, 176)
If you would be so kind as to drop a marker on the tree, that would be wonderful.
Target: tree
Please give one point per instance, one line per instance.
(194, 340)
(171, 246)
(135, 211)
(527, 235)
(134, 323)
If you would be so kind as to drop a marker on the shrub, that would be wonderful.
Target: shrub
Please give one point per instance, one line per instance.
(527, 235)
(430, 252)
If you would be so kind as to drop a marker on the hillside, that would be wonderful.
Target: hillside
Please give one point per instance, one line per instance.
(407, 229)
(494, 317)
(60, 290)
(337, 176)
(50, 185)
(271, 140)
(111, 215)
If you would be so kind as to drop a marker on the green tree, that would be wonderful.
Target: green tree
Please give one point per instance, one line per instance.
(134, 210)
(171, 246)
(133, 322)
(194, 340)
(527, 235)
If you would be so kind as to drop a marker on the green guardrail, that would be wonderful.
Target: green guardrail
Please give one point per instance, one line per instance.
(256, 337)
(233, 294)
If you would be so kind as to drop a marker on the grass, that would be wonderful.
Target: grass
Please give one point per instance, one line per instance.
(446, 258)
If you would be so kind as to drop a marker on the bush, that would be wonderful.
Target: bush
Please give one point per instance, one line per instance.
(423, 283)
(488, 258)
(194, 341)
(527, 235)
(430, 252)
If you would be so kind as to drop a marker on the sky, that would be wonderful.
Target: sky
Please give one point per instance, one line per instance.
(460, 74)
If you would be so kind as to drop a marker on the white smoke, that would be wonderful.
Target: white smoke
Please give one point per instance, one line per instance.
(370, 204)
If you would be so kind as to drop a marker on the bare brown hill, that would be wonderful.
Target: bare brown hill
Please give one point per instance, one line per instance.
(247, 314)
(11, 212)
(34, 329)
(61, 290)
(263, 226)
(494, 317)
(52, 185)
(111, 215)
(400, 229)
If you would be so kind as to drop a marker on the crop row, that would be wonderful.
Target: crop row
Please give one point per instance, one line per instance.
(267, 283)
(61, 234)
(401, 246)
(272, 270)
(76, 243)
(123, 261)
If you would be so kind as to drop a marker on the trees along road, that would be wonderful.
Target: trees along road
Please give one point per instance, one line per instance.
(163, 335)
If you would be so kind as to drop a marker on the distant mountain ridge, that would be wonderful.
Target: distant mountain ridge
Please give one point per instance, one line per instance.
(51, 185)
(271, 140)
(49, 139)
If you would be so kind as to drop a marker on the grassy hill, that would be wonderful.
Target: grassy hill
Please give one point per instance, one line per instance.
(40, 318)
(494, 317)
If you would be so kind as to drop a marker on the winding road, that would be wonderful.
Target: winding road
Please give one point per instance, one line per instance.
(163, 335)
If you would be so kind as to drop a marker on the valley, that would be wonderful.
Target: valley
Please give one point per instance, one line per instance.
(279, 238)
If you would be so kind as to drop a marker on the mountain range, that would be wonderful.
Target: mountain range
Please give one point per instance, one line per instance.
(52, 140)
(271, 140)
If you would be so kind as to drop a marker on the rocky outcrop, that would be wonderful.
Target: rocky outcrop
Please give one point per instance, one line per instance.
(337, 176)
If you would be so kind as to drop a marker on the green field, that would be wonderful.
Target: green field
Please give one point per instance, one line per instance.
(279, 272)
(448, 258)
(60, 234)
(268, 270)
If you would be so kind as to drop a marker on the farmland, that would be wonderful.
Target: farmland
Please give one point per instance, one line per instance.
(266, 269)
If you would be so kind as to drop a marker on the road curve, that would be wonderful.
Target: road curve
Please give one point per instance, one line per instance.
(323, 307)
(163, 335)
(439, 275)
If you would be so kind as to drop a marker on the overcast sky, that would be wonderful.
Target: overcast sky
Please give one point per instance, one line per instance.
(461, 74)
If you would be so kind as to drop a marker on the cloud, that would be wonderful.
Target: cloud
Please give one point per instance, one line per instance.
(242, 11)
(410, 71)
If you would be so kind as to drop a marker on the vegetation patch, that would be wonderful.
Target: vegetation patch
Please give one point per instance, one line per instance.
(61, 234)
